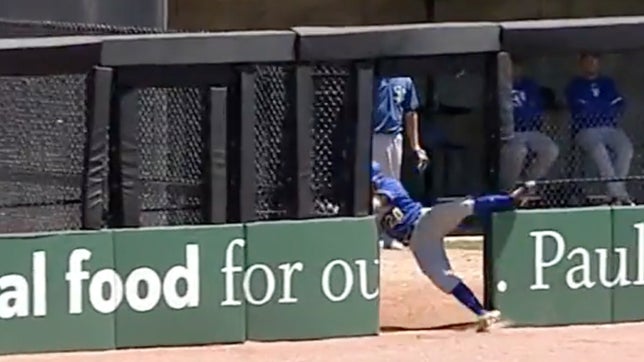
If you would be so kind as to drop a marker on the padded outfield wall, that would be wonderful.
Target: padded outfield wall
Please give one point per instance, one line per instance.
(188, 285)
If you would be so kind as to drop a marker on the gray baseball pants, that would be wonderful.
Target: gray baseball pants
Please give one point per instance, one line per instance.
(387, 150)
(428, 246)
(515, 151)
(597, 142)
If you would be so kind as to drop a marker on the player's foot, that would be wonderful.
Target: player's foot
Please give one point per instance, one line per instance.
(622, 202)
(487, 320)
(519, 194)
(392, 245)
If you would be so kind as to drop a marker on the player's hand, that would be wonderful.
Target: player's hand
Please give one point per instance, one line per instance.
(422, 159)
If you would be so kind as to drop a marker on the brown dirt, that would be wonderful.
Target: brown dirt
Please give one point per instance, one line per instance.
(411, 303)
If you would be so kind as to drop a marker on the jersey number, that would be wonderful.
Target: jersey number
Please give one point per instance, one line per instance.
(392, 218)
(399, 94)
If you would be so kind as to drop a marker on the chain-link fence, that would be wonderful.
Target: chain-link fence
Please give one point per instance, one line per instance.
(11, 28)
(330, 180)
(42, 138)
(170, 152)
(169, 133)
(274, 155)
(452, 113)
(42, 141)
(578, 119)
(171, 146)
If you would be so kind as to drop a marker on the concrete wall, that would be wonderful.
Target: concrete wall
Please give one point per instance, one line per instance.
(470, 10)
(278, 14)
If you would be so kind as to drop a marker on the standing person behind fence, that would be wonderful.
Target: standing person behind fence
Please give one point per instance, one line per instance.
(395, 106)
(528, 111)
(595, 107)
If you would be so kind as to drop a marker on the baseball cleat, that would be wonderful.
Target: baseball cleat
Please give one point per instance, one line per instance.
(392, 245)
(487, 320)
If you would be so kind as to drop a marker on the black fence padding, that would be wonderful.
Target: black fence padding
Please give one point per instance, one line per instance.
(42, 138)
(169, 135)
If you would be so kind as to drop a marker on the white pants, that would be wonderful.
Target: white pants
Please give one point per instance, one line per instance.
(387, 150)
(597, 142)
(515, 151)
(427, 241)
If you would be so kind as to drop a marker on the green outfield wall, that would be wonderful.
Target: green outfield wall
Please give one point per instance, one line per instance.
(188, 285)
(557, 267)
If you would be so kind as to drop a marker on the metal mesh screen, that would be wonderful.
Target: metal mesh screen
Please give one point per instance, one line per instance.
(274, 162)
(452, 126)
(273, 159)
(10, 28)
(171, 150)
(590, 130)
(329, 151)
(169, 132)
(42, 138)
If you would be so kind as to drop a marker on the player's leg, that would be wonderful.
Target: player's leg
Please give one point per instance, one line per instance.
(428, 247)
(379, 151)
(513, 155)
(591, 141)
(397, 155)
(382, 151)
(546, 151)
(621, 145)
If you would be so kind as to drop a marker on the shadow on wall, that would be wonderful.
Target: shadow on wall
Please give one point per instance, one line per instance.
(493, 10)
(282, 14)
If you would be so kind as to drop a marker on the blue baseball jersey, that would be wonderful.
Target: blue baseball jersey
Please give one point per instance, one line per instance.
(402, 213)
(394, 97)
(594, 102)
(527, 105)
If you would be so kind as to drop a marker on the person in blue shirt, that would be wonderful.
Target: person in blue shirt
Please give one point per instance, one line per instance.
(596, 106)
(423, 229)
(529, 115)
(395, 105)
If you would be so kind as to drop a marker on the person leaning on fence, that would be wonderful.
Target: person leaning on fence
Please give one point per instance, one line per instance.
(596, 106)
(528, 112)
(395, 106)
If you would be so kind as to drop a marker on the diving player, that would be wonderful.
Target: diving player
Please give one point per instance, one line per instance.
(403, 218)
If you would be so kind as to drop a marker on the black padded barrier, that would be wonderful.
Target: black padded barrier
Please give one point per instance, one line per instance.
(386, 41)
(215, 156)
(198, 48)
(52, 131)
(566, 35)
(95, 169)
(425, 52)
(279, 121)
